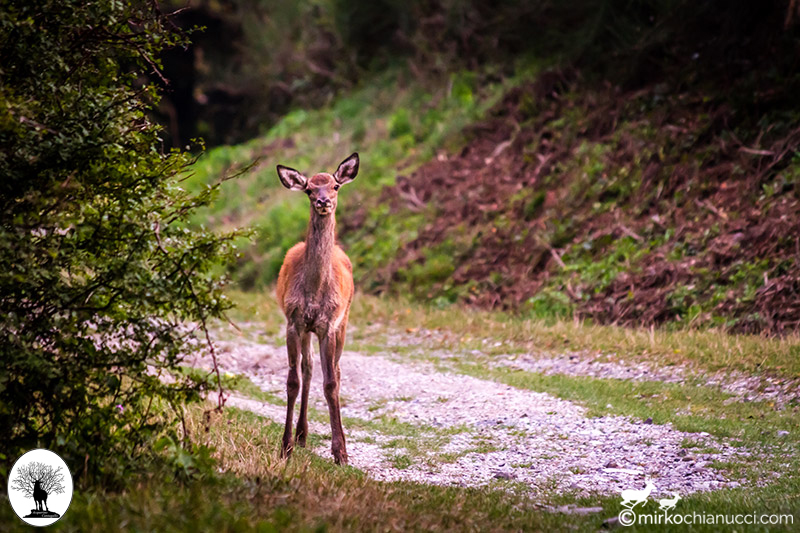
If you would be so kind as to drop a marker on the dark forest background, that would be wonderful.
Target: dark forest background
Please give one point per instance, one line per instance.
(249, 62)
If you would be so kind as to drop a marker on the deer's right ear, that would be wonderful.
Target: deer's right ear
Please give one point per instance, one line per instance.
(292, 179)
(348, 169)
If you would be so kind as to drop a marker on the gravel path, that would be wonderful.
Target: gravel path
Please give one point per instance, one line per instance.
(472, 432)
(743, 387)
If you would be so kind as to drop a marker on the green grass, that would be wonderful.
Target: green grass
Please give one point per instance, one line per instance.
(688, 408)
(260, 492)
(401, 461)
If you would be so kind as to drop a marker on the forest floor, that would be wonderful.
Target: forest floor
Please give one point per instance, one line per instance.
(468, 420)
(553, 427)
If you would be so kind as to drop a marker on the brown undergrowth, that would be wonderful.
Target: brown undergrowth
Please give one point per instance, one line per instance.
(629, 207)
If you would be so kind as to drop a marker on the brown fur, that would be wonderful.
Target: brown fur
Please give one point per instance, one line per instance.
(341, 289)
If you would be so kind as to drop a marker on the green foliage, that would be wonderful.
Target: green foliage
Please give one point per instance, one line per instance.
(462, 87)
(285, 226)
(549, 303)
(384, 122)
(400, 123)
(101, 283)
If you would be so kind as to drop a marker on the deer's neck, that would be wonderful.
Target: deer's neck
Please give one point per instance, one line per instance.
(320, 240)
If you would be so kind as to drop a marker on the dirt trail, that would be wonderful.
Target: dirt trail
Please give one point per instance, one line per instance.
(411, 421)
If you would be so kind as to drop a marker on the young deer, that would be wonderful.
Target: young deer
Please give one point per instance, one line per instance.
(315, 289)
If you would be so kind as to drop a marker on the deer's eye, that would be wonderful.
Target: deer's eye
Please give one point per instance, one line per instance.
(335, 187)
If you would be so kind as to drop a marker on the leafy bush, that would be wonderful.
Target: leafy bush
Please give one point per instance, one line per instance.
(99, 276)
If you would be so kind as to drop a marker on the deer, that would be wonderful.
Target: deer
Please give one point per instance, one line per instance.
(669, 503)
(315, 290)
(631, 497)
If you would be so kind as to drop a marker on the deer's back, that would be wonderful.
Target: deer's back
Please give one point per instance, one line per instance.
(289, 289)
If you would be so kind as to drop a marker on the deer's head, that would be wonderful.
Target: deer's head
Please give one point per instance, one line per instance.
(323, 188)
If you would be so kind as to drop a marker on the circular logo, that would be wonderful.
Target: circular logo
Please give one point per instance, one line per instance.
(40, 487)
(627, 517)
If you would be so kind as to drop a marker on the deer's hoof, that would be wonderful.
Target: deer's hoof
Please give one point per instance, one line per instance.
(286, 451)
(340, 459)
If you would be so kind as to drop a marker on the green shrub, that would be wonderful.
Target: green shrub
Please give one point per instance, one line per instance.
(400, 124)
(99, 276)
(549, 303)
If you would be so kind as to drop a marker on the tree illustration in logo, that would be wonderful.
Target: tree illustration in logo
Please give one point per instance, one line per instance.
(38, 480)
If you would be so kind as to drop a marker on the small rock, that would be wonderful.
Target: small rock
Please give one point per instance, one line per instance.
(582, 510)
(783, 433)
(611, 523)
(503, 475)
(682, 452)
(688, 458)
(648, 421)
(612, 464)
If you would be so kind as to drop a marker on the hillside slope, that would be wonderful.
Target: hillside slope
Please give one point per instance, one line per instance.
(635, 207)
(638, 186)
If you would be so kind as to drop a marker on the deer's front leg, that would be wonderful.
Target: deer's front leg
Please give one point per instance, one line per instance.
(306, 366)
(330, 376)
(292, 387)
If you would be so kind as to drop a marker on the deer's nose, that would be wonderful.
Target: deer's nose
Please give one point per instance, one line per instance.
(323, 202)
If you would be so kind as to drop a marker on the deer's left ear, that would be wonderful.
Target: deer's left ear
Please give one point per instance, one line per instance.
(347, 170)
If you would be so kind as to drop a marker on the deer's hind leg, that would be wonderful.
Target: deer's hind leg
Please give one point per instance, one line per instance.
(331, 378)
(307, 366)
(341, 335)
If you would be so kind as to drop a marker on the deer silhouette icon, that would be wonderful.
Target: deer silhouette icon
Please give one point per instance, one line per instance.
(631, 497)
(667, 504)
(39, 496)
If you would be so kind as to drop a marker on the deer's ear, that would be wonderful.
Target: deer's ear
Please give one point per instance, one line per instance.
(292, 179)
(347, 170)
